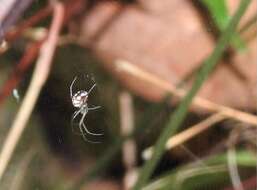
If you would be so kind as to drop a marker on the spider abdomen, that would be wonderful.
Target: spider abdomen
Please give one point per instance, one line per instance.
(79, 98)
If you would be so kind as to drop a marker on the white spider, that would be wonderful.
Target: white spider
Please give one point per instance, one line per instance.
(79, 100)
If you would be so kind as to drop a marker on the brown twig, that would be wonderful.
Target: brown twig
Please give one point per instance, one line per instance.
(38, 79)
(201, 103)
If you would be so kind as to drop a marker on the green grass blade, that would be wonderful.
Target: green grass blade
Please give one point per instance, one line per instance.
(219, 12)
(196, 176)
(178, 116)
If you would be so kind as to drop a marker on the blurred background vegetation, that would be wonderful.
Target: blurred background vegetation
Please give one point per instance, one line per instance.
(50, 155)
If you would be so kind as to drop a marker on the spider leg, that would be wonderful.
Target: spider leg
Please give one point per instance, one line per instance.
(76, 113)
(91, 88)
(71, 91)
(84, 136)
(94, 108)
(81, 123)
(94, 134)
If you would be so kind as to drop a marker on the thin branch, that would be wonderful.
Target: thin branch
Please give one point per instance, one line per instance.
(39, 77)
(129, 68)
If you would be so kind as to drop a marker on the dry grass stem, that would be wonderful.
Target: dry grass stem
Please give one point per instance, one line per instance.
(22, 169)
(200, 103)
(39, 77)
(189, 133)
(233, 170)
(194, 130)
(129, 147)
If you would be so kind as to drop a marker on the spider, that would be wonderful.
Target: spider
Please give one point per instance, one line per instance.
(79, 100)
